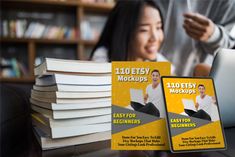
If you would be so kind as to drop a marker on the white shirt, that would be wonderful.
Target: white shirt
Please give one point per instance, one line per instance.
(100, 55)
(161, 58)
(205, 103)
(155, 96)
(178, 46)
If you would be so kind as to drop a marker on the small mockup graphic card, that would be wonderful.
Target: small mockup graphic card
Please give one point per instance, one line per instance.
(192, 112)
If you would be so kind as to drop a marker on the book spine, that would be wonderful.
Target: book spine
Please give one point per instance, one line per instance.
(5, 28)
(15, 67)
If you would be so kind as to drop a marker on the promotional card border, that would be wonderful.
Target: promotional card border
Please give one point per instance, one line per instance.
(167, 118)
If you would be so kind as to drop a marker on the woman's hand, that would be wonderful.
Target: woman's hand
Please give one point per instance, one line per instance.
(198, 26)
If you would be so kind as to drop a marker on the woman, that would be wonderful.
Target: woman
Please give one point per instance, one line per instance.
(133, 32)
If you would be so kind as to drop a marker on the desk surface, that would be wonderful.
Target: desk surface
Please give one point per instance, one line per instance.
(102, 149)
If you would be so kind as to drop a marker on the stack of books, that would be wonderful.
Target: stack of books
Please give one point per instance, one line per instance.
(71, 102)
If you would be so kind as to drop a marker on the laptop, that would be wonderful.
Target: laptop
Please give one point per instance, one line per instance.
(213, 110)
(137, 95)
(223, 72)
(189, 104)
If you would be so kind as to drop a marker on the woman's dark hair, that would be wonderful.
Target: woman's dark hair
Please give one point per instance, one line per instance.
(121, 26)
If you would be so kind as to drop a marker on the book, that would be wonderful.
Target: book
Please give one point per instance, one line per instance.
(12, 68)
(91, 26)
(51, 65)
(69, 131)
(68, 101)
(56, 106)
(65, 114)
(20, 28)
(5, 28)
(12, 28)
(71, 98)
(76, 95)
(30, 29)
(53, 79)
(73, 88)
(40, 29)
(15, 67)
(48, 143)
(138, 115)
(49, 121)
(192, 127)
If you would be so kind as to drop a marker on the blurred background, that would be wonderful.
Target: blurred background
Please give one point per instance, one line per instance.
(32, 30)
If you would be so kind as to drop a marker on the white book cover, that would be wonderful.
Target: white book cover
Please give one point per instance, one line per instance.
(65, 114)
(49, 121)
(68, 95)
(69, 101)
(35, 30)
(70, 131)
(73, 88)
(39, 31)
(29, 30)
(72, 80)
(55, 106)
(48, 143)
(20, 28)
(51, 65)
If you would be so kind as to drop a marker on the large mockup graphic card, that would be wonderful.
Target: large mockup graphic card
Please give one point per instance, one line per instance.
(138, 111)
